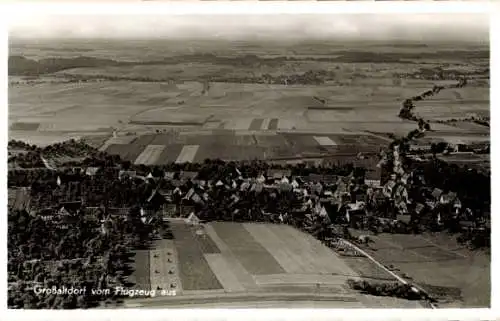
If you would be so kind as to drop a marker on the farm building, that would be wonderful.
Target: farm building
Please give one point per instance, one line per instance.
(447, 198)
(193, 219)
(91, 171)
(420, 148)
(70, 207)
(419, 208)
(373, 178)
(93, 213)
(404, 218)
(278, 173)
(185, 210)
(193, 196)
(389, 188)
(166, 193)
(169, 175)
(155, 200)
(125, 174)
(436, 193)
(188, 175)
(118, 211)
(169, 210)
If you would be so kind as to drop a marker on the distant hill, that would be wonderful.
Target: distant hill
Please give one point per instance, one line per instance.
(21, 66)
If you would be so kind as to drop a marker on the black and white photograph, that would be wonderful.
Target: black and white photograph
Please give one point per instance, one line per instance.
(327, 160)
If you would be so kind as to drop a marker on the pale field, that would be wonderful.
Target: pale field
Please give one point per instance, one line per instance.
(41, 139)
(221, 268)
(187, 154)
(325, 141)
(234, 265)
(150, 154)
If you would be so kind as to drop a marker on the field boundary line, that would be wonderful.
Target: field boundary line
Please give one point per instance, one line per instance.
(442, 248)
(415, 288)
(402, 248)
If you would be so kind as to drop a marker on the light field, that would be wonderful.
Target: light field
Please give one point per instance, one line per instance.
(324, 141)
(222, 270)
(235, 261)
(187, 154)
(150, 155)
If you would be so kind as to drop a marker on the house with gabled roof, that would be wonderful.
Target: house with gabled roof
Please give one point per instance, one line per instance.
(63, 212)
(155, 200)
(188, 175)
(447, 198)
(193, 219)
(436, 193)
(389, 188)
(126, 174)
(118, 211)
(72, 207)
(169, 175)
(419, 207)
(278, 174)
(91, 171)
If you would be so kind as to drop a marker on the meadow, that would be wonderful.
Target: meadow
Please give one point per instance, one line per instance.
(437, 259)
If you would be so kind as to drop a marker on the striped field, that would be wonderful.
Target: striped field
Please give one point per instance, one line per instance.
(150, 155)
(187, 154)
(242, 261)
(324, 141)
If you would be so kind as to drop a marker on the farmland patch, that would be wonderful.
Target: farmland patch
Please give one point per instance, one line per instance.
(324, 141)
(442, 266)
(150, 155)
(163, 266)
(187, 154)
(244, 278)
(164, 139)
(141, 275)
(256, 124)
(224, 274)
(367, 269)
(126, 152)
(145, 140)
(273, 124)
(194, 271)
(169, 154)
(25, 126)
(254, 258)
(265, 124)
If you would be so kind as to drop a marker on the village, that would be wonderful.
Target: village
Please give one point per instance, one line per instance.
(327, 202)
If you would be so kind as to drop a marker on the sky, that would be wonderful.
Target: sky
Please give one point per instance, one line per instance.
(437, 26)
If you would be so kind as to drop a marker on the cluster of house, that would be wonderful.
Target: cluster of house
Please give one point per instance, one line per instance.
(317, 194)
(323, 195)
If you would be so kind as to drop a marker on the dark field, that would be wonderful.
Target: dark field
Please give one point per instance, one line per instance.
(141, 275)
(249, 252)
(194, 271)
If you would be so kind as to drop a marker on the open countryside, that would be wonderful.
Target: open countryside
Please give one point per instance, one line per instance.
(252, 173)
